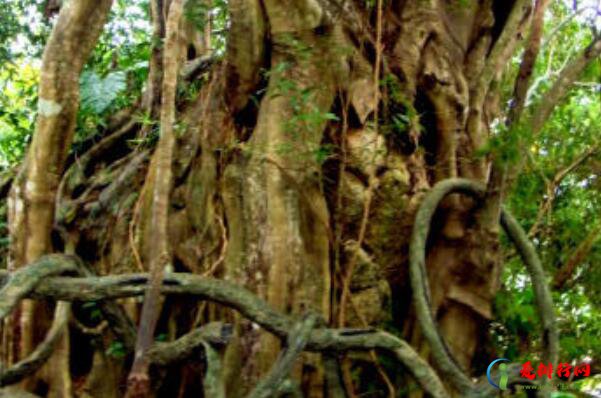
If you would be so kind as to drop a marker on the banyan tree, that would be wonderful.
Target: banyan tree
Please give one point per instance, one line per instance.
(316, 210)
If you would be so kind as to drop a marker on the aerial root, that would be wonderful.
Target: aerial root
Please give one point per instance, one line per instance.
(39, 280)
(441, 355)
(107, 288)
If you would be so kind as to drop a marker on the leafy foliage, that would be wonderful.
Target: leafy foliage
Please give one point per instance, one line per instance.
(18, 99)
(98, 93)
(573, 212)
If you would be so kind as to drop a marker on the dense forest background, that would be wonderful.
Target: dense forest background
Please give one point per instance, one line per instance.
(186, 115)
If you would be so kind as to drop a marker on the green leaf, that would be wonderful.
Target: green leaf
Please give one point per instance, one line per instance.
(116, 350)
(98, 93)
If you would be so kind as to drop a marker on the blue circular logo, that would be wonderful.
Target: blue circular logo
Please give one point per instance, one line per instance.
(503, 377)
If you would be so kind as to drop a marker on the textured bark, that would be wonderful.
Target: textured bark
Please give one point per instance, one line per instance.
(159, 254)
(32, 202)
(273, 185)
(152, 96)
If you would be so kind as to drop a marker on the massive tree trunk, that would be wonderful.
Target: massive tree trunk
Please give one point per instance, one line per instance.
(297, 173)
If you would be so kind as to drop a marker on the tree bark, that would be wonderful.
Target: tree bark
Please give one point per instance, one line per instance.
(32, 202)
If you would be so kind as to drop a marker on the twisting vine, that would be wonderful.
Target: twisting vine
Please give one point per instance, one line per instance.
(106, 288)
(27, 283)
(22, 282)
(441, 355)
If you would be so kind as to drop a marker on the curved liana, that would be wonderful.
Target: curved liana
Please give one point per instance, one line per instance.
(107, 288)
(441, 355)
(28, 365)
(542, 294)
(26, 283)
(23, 282)
(18, 286)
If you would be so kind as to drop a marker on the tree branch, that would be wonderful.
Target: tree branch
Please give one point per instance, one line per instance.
(528, 60)
(554, 183)
(500, 171)
(499, 53)
(583, 249)
(563, 83)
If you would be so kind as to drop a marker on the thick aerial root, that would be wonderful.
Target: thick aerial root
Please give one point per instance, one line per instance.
(214, 333)
(43, 351)
(21, 283)
(421, 292)
(233, 296)
(213, 380)
(274, 382)
(542, 294)
(26, 283)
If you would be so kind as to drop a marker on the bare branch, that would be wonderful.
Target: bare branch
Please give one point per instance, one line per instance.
(563, 84)
(583, 249)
